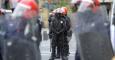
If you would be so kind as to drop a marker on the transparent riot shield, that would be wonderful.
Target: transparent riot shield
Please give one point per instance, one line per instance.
(2, 34)
(93, 34)
(20, 49)
(16, 46)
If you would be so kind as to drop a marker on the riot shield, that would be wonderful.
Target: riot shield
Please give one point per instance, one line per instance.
(94, 34)
(20, 49)
(17, 46)
(2, 33)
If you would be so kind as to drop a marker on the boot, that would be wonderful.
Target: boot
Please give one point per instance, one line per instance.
(53, 54)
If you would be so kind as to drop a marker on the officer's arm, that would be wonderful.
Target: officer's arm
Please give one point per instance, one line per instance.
(49, 21)
(68, 23)
(69, 32)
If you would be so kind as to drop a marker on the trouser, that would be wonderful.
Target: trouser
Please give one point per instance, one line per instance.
(60, 42)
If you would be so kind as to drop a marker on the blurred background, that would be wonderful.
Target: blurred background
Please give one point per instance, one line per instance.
(45, 7)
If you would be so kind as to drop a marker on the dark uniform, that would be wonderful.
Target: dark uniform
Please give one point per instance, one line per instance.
(51, 36)
(59, 26)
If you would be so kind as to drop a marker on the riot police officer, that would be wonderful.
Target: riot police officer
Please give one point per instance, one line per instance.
(53, 46)
(59, 26)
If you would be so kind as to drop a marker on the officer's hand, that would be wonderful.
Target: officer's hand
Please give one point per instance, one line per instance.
(50, 36)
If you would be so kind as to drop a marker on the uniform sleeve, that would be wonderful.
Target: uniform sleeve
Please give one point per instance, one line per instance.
(69, 30)
(68, 23)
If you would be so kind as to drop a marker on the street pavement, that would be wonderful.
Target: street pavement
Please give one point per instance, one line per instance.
(45, 48)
